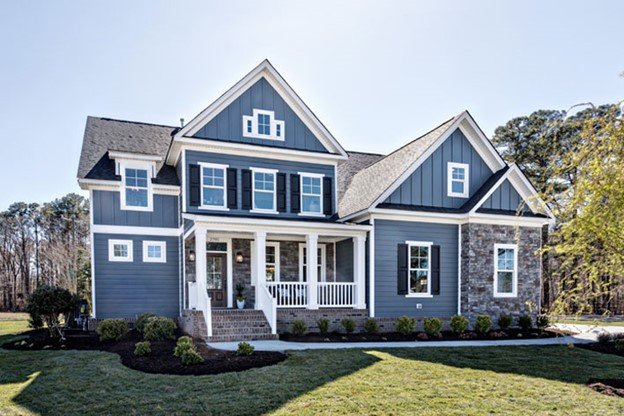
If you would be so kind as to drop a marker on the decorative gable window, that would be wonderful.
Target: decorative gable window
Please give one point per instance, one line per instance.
(457, 184)
(263, 125)
(120, 250)
(264, 190)
(213, 186)
(505, 270)
(154, 252)
(311, 193)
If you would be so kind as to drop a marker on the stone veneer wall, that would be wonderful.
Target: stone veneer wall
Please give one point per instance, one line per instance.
(477, 270)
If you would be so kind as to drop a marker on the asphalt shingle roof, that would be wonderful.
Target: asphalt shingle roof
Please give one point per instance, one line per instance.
(347, 169)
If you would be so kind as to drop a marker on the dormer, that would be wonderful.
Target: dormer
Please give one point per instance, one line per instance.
(137, 172)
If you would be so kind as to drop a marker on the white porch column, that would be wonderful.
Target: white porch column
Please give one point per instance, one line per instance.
(200, 262)
(259, 259)
(312, 269)
(359, 271)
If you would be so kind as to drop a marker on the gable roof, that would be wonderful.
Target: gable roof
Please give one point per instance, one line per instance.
(347, 170)
(267, 71)
(104, 135)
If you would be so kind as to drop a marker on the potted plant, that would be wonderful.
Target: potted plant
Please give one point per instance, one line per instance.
(240, 300)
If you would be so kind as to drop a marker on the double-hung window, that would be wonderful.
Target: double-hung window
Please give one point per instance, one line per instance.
(264, 190)
(320, 262)
(213, 186)
(120, 250)
(154, 252)
(505, 270)
(311, 194)
(272, 262)
(419, 268)
(136, 188)
(457, 184)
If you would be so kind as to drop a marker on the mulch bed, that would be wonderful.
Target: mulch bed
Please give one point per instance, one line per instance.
(160, 361)
(610, 387)
(416, 336)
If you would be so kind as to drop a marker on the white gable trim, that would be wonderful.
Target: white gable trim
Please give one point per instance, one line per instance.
(267, 71)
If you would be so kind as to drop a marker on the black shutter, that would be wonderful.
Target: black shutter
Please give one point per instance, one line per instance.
(295, 194)
(435, 270)
(402, 269)
(194, 186)
(281, 192)
(232, 201)
(327, 196)
(246, 175)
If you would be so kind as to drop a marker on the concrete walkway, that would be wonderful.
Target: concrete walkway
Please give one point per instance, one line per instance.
(586, 334)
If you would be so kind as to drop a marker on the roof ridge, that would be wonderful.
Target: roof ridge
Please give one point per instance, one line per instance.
(132, 122)
(365, 153)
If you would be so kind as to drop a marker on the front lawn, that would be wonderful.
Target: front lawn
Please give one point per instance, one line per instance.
(586, 321)
(424, 381)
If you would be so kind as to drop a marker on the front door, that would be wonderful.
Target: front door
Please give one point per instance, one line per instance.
(216, 278)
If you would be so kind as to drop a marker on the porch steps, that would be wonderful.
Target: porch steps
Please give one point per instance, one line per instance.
(239, 325)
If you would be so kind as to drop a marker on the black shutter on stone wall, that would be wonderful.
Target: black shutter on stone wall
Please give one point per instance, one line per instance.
(328, 193)
(232, 200)
(295, 194)
(281, 192)
(435, 270)
(246, 188)
(402, 269)
(194, 186)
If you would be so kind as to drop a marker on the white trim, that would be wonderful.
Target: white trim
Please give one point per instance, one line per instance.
(111, 250)
(371, 270)
(163, 251)
(323, 265)
(183, 179)
(273, 125)
(411, 244)
(121, 229)
(320, 195)
(276, 246)
(212, 238)
(459, 267)
(272, 172)
(115, 186)
(139, 166)
(445, 218)
(92, 254)
(134, 156)
(514, 292)
(465, 182)
(224, 168)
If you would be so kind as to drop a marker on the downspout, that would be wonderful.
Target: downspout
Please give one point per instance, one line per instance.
(459, 276)
(371, 269)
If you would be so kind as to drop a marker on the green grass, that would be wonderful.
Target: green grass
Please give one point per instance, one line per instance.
(424, 381)
(12, 324)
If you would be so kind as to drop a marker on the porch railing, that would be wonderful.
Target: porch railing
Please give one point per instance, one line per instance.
(269, 307)
(289, 294)
(199, 299)
(336, 294)
(295, 294)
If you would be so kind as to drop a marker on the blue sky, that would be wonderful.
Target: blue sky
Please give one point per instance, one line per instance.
(376, 73)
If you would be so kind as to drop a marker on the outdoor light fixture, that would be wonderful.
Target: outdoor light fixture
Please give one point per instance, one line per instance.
(239, 257)
(191, 256)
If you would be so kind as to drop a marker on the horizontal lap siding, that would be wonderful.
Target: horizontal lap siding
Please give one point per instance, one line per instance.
(388, 234)
(127, 289)
(107, 211)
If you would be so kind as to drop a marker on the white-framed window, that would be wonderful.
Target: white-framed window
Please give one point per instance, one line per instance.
(311, 194)
(263, 183)
(505, 270)
(213, 186)
(154, 251)
(321, 260)
(263, 125)
(120, 250)
(136, 193)
(419, 268)
(272, 261)
(458, 179)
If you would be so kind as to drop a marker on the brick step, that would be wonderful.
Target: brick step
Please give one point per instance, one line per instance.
(240, 323)
(240, 337)
(238, 331)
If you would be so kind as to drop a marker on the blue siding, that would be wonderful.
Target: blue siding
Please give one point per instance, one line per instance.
(106, 211)
(388, 234)
(427, 185)
(505, 198)
(344, 261)
(127, 289)
(228, 125)
(244, 162)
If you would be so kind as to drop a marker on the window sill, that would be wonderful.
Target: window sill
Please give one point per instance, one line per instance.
(262, 211)
(120, 259)
(131, 208)
(418, 295)
(213, 208)
(311, 214)
(457, 195)
(505, 295)
(263, 136)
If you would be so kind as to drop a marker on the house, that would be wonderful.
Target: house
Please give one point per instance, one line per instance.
(244, 192)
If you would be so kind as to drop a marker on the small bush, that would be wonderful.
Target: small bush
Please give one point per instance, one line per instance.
(245, 348)
(112, 329)
(348, 324)
(504, 322)
(421, 336)
(604, 338)
(142, 320)
(542, 322)
(299, 327)
(159, 328)
(526, 323)
(371, 326)
(405, 325)
(323, 326)
(468, 335)
(191, 357)
(619, 344)
(459, 324)
(142, 348)
(483, 324)
(184, 344)
(47, 303)
(433, 325)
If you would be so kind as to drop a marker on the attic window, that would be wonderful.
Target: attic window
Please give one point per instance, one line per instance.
(263, 125)
(457, 183)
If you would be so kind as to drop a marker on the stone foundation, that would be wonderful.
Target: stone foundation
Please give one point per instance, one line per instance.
(286, 317)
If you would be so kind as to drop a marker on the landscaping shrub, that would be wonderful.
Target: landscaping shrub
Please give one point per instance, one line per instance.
(504, 322)
(604, 338)
(619, 344)
(191, 357)
(245, 348)
(371, 326)
(184, 343)
(483, 324)
(421, 336)
(112, 329)
(299, 327)
(525, 322)
(323, 326)
(459, 324)
(142, 320)
(47, 303)
(159, 328)
(348, 324)
(433, 325)
(142, 348)
(405, 325)
(542, 322)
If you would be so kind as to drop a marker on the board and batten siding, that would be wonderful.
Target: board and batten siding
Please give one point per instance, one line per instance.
(427, 186)
(505, 198)
(388, 234)
(244, 162)
(344, 261)
(128, 289)
(228, 124)
(107, 211)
